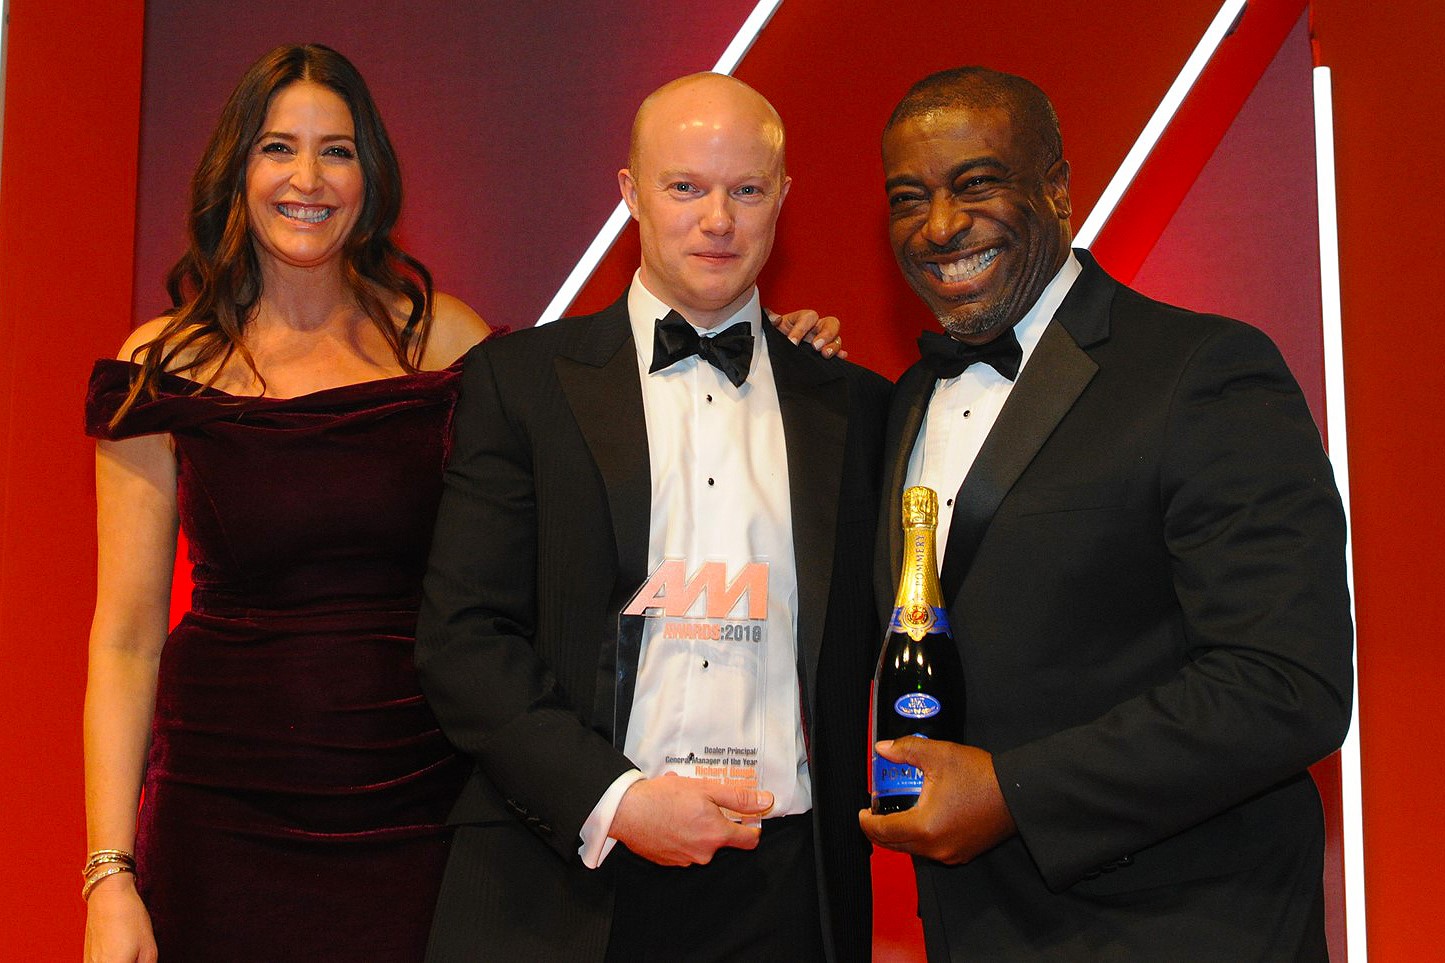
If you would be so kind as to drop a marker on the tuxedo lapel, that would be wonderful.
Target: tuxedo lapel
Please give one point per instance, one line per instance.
(1047, 388)
(813, 401)
(600, 381)
(598, 375)
(905, 420)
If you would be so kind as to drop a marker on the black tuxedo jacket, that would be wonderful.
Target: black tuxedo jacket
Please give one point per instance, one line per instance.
(1145, 577)
(541, 539)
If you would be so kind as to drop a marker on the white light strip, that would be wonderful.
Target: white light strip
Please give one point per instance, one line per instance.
(584, 268)
(747, 34)
(1332, 324)
(1129, 169)
(742, 42)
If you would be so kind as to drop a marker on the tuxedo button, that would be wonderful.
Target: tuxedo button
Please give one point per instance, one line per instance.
(1120, 863)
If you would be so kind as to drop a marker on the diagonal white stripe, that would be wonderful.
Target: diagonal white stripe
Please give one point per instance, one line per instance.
(1221, 25)
(742, 42)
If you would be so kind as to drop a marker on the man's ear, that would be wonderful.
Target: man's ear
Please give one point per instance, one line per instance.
(1056, 186)
(628, 187)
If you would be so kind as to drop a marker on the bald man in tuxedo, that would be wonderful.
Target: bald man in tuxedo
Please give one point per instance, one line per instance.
(673, 428)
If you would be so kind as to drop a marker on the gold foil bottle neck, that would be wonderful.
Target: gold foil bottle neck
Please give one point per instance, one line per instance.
(918, 590)
(920, 507)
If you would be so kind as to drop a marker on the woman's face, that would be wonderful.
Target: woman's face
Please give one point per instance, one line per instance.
(304, 186)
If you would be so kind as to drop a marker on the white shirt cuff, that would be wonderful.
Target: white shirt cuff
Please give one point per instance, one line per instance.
(596, 844)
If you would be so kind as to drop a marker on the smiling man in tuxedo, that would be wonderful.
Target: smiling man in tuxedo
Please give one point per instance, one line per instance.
(1143, 559)
(668, 449)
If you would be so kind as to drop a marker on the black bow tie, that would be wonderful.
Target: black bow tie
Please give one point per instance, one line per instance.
(729, 351)
(949, 358)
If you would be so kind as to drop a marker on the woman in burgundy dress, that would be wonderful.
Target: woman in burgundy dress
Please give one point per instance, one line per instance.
(291, 413)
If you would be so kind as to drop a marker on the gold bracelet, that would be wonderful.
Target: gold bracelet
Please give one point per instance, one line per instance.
(101, 857)
(92, 881)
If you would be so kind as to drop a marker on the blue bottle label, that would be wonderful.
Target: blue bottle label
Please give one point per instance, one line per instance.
(917, 705)
(895, 778)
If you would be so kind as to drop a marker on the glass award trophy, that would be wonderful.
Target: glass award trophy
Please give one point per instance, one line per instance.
(691, 672)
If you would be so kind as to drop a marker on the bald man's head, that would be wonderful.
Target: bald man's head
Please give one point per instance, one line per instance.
(705, 181)
(685, 93)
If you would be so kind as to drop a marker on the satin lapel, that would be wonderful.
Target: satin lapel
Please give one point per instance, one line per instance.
(813, 400)
(598, 375)
(1047, 388)
(905, 419)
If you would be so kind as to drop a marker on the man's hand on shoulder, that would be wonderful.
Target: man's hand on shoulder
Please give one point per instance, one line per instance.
(822, 332)
(676, 821)
(961, 811)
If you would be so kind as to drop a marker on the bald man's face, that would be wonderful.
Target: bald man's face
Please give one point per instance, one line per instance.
(705, 187)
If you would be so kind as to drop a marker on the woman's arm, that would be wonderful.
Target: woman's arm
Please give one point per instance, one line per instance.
(136, 514)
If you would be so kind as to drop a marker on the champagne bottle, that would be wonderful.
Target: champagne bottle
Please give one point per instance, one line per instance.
(918, 685)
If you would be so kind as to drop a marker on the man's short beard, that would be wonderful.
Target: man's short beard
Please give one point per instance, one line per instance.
(971, 324)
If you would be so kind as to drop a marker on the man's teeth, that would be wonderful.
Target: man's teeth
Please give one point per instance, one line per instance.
(964, 268)
(311, 215)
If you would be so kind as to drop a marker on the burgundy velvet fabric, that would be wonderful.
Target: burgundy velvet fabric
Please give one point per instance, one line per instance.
(297, 784)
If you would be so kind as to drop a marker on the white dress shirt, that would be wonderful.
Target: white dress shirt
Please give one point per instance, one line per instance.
(962, 410)
(719, 468)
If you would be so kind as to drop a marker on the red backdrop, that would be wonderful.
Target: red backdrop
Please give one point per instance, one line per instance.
(68, 250)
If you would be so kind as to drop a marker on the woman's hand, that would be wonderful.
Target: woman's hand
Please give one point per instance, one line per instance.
(117, 926)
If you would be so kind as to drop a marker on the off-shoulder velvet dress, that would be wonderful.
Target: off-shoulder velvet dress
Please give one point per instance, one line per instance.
(297, 784)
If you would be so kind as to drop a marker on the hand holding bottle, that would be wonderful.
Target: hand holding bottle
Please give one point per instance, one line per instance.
(961, 811)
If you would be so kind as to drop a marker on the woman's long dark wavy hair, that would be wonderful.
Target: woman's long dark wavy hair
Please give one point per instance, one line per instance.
(215, 285)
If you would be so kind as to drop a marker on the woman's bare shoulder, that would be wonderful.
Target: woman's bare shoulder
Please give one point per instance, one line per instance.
(143, 335)
(150, 331)
(455, 328)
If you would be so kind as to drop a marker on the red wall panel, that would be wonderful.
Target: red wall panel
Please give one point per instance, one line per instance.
(1244, 240)
(1389, 82)
(67, 215)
